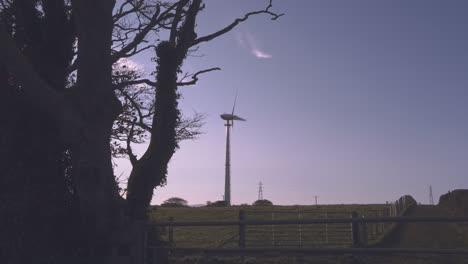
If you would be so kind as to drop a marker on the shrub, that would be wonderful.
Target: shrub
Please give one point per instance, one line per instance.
(217, 204)
(263, 202)
(175, 202)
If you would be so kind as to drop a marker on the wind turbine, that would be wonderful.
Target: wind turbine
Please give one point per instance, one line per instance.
(229, 123)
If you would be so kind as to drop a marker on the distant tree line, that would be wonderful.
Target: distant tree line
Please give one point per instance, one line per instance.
(180, 202)
(221, 203)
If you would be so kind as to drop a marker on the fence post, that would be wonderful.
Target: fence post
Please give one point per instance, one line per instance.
(377, 225)
(326, 229)
(355, 229)
(241, 229)
(300, 229)
(171, 232)
(364, 232)
(273, 230)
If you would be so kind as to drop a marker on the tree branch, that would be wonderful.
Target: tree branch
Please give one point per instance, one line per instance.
(134, 104)
(175, 21)
(155, 19)
(121, 13)
(236, 22)
(133, 159)
(195, 76)
(134, 82)
(136, 51)
(139, 123)
(190, 128)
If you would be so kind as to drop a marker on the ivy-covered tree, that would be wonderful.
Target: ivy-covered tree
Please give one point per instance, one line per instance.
(68, 104)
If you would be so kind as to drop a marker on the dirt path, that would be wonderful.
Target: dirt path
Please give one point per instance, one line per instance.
(425, 235)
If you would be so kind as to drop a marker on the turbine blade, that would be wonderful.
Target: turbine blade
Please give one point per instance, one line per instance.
(238, 118)
(235, 100)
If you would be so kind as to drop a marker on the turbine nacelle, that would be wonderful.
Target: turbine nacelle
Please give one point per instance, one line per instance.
(230, 117)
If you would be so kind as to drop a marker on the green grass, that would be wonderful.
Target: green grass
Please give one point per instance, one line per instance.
(311, 237)
(315, 235)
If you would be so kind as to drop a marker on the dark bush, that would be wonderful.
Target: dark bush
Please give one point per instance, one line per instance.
(175, 202)
(217, 204)
(263, 202)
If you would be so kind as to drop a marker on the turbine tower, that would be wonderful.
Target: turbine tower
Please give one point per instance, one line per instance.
(229, 123)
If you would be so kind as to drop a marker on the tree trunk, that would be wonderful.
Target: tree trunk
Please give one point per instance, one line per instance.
(150, 171)
(33, 164)
(98, 106)
(55, 142)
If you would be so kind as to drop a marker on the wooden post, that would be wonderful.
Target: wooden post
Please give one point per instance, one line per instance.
(171, 232)
(355, 229)
(326, 229)
(364, 232)
(273, 230)
(300, 229)
(241, 229)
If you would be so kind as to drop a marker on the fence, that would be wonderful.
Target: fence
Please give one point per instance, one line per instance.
(315, 232)
(359, 235)
(297, 235)
(293, 235)
(319, 235)
(273, 235)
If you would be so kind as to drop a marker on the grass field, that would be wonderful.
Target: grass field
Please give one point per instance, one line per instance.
(313, 235)
(443, 235)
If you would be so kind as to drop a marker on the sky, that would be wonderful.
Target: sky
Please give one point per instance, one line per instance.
(352, 101)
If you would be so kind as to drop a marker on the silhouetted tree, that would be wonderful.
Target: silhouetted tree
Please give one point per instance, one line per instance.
(134, 124)
(175, 202)
(263, 202)
(61, 102)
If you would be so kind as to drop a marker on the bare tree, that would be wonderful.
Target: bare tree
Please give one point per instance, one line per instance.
(150, 171)
(63, 101)
(134, 124)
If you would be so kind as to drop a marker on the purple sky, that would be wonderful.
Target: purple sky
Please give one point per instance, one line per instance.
(356, 102)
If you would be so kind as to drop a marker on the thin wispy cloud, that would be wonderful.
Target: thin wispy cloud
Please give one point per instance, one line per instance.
(261, 54)
(248, 41)
(240, 39)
